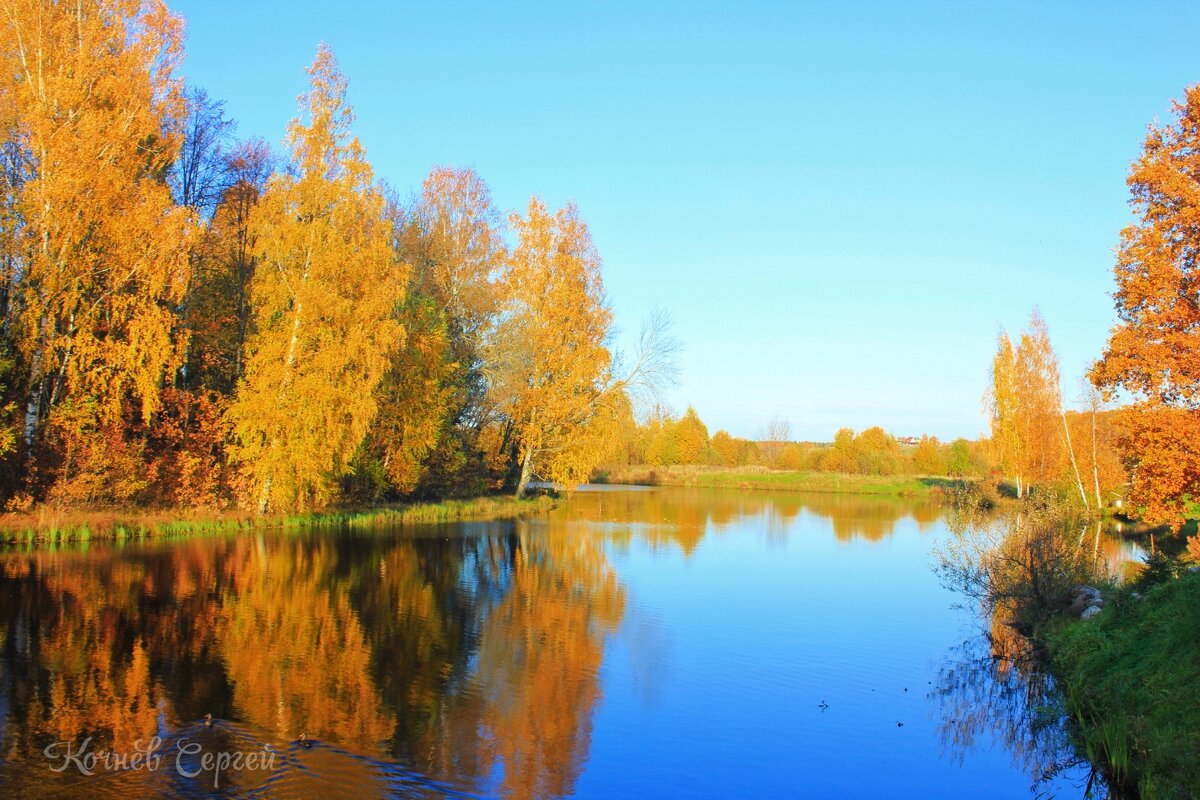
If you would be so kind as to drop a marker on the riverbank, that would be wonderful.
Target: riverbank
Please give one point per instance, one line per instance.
(52, 526)
(761, 478)
(1130, 678)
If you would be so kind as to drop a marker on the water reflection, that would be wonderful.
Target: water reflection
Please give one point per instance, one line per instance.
(461, 657)
(683, 517)
(992, 692)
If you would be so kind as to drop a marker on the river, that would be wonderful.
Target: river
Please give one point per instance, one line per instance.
(633, 643)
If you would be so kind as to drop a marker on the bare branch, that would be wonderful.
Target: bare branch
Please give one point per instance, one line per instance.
(656, 360)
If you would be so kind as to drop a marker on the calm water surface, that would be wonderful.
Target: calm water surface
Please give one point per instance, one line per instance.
(636, 643)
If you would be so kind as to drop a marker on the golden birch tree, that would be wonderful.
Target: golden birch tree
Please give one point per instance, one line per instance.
(454, 242)
(1039, 403)
(1004, 405)
(551, 369)
(1025, 402)
(93, 113)
(323, 299)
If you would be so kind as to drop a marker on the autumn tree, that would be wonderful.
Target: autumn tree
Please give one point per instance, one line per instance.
(691, 436)
(8, 433)
(1039, 425)
(725, 448)
(550, 365)
(774, 434)
(659, 447)
(453, 237)
(1153, 351)
(323, 298)
(791, 456)
(842, 455)
(434, 402)
(878, 452)
(100, 251)
(1025, 405)
(1004, 406)
(185, 449)
(927, 458)
(1095, 433)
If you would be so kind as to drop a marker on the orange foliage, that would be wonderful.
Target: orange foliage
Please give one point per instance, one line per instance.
(1193, 549)
(1096, 438)
(98, 462)
(185, 451)
(1167, 459)
(1154, 350)
(928, 460)
(726, 449)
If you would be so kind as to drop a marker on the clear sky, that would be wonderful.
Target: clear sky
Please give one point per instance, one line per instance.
(840, 204)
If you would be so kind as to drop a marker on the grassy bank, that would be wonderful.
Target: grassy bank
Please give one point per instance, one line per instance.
(1130, 678)
(51, 526)
(778, 480)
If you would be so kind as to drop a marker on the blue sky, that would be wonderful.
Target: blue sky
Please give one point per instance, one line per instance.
(840, 204)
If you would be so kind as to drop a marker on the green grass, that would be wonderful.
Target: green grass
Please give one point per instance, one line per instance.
(1131, 679)
(778, 480)
(48, 527)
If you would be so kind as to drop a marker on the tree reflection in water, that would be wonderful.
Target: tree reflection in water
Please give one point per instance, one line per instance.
(682, 517)
(470, 660)
(992, 693)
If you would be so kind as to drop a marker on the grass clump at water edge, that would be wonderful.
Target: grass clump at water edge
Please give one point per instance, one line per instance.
(1131, 678)
(49, 526)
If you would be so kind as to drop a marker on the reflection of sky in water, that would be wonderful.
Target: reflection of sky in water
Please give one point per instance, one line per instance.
(767, 606)
(670, 642)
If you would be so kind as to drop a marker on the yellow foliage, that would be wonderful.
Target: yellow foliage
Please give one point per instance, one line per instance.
(89, 92)
(1025, 404)
(414, 398)
(323, 299)
(726, 449)
(549, 363)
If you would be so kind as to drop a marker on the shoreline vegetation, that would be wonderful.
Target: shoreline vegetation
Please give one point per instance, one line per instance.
(760, 478)
(1129, 681)
(1127, 668)
(48, 526)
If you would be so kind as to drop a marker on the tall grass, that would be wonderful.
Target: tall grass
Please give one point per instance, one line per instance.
(762, 478)
(51, 527)
(1131, 678)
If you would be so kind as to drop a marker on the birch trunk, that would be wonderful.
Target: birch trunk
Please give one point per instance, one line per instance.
(526, 475)
(1095, 465)
(1071, 452)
